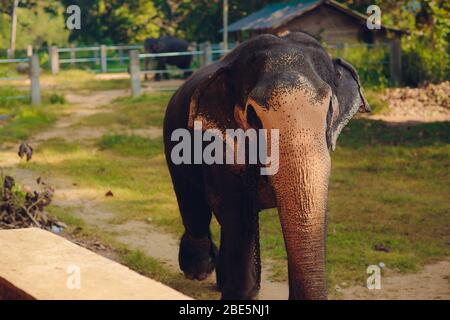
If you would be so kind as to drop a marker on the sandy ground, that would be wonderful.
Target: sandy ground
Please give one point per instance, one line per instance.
(431, 283)
(430, 103)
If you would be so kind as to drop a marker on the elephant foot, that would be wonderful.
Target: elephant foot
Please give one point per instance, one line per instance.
(241, 291)
(197, 257)
(240, 295)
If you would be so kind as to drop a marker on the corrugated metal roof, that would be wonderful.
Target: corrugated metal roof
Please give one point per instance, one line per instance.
(273, 15)
(276, 14)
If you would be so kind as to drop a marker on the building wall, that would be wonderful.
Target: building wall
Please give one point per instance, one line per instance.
(332, 26)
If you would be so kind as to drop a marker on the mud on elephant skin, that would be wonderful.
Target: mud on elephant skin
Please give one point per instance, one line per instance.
(163, 45)
(287, 83)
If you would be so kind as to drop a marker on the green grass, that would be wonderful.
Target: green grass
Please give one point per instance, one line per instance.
(144, 111)
(68, 81)
(25, 120)
(389, 186)
(22, 119)
(131, 145)
(81, 80)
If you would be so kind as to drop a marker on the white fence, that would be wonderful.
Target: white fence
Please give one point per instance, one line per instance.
(115, 58)
(207, 55)
(99, 56)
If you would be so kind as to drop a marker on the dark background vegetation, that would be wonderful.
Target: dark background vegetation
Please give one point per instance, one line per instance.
(41, 22)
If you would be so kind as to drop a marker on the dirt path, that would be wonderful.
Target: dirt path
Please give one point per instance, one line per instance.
(89, 204)
(432, 283)
(84, 106)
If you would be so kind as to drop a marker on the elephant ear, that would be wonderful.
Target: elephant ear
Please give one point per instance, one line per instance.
(346, 101)
(213, 102)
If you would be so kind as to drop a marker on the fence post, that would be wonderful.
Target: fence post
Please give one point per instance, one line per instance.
(29, 50)
(395, 61)
(135, 73)
(72, 54)
(54, 59)
(207, 53)
(103, 56)
(34, 79)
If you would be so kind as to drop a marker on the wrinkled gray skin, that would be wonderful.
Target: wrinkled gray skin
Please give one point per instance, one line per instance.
(287, 83)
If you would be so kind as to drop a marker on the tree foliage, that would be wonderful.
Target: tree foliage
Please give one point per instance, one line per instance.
(425, 46)
(39, 23)
(115, 21)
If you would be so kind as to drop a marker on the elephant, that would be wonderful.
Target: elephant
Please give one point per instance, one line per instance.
(287, 83)
(168, 44)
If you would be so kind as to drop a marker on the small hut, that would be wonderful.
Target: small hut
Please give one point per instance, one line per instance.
(327, 20)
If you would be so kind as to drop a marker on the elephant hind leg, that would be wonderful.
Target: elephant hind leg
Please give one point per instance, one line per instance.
(197, 255)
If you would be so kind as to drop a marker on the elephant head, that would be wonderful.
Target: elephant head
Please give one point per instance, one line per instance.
(152, 45)
(290, 84)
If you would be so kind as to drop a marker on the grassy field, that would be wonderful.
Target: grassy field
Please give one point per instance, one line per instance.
(389, 187)
(20, 120)
(65, 81)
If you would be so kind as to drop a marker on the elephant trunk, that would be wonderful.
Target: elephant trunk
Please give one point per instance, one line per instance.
(301, 188)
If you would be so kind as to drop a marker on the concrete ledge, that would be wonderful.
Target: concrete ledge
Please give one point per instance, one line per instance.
(36, 264)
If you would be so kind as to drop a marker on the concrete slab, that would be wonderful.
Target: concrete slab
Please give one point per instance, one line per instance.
(37, 264)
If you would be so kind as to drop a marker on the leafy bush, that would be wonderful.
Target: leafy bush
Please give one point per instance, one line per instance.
(372, 62)
(421, 63)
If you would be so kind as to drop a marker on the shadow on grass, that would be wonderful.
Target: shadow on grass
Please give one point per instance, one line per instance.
(363, 133)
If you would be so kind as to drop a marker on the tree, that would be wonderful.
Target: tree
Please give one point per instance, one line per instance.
(201, 20)
(38, 23)
(426, 45)
(115, 21)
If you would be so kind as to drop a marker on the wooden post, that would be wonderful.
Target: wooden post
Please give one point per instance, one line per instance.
(54, 59)
(135, 73)
(29, 51)
(103, 56)
(34, 80)
(207, 53)
(72, 54)
(193, 46)
(225, 24)
(395, 62)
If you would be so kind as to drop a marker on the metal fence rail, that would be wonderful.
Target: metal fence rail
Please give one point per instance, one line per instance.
(99, 56)
(112, 58)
